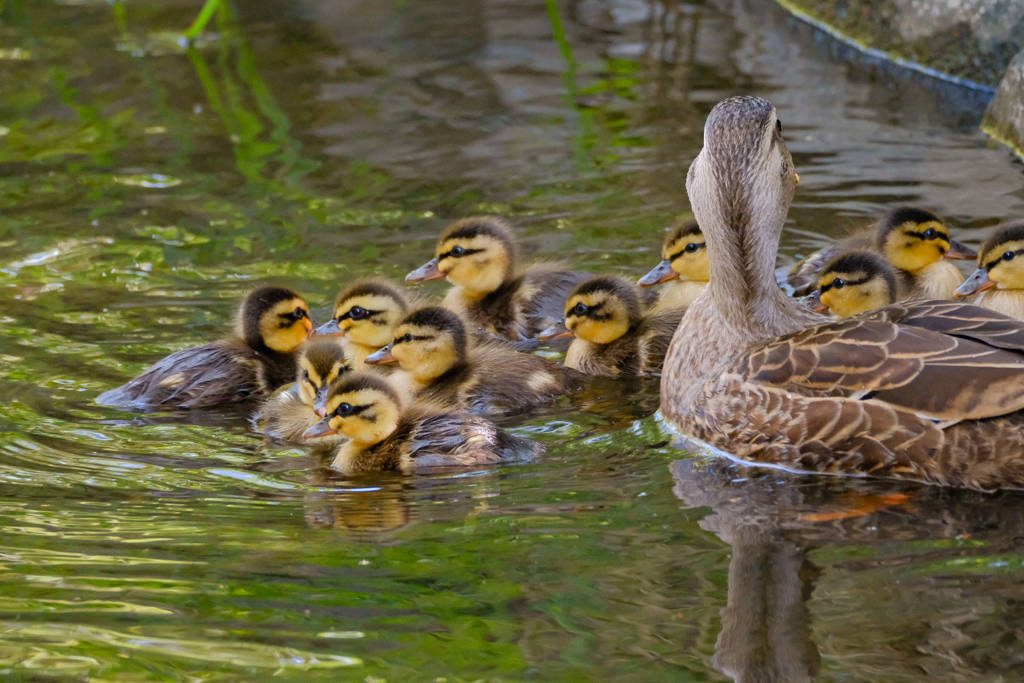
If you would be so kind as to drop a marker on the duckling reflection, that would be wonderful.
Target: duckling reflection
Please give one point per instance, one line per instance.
(773, 519)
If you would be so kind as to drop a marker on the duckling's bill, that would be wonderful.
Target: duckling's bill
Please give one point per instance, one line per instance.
(816, 304)
(321, 428)
(958, 251)
(977, 282)
(662, 272)
(328, 329)
(381, 356)
(556, 331)
(428, 271)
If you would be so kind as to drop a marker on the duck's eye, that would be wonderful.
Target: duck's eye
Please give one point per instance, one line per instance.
(1008, 256)
(344, 410)
(930, 234)
(457, 251)
(579, 309)
(778, 125)
(838, 284)
(305, 376)
(358, 313)
(406, 338)
(690, 248)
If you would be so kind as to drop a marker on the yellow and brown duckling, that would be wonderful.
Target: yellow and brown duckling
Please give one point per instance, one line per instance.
(365, 315)
(1000, 274)
(855, 283)
(386, 435)
(292, 410)
(613, 334)
(441, 367)
(478, 256)
(914, 241)
(251, 363)
(684, 266)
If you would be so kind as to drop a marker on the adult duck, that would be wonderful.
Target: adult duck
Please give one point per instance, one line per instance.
(909, 390)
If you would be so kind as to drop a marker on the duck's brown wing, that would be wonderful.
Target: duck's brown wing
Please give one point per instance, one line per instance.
(214, 374)
(957, 319)
(939, 376)
(461, 439)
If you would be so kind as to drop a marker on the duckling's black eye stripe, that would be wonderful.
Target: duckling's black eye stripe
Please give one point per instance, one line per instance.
(1003, 258)
(356, 410)
(700, 245)
(412, 338)
(465, 252)
(846, 283)
(369, 314)
(921, 235)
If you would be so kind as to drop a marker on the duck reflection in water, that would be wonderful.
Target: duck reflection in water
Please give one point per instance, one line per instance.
(915, 567)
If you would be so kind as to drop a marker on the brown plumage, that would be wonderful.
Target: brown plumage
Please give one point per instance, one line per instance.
(293, 409)
(914, 241)
(924, 390)
(259, 357)
(478, 256)
(387, 436)
(441, 367)
(614, 336)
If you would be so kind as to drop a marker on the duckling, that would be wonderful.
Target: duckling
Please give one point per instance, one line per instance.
(478, 256)
(439, 366)
(613, 335)
(365, 315)
(684, 264)
(259, 357)
(855, 283)
(1000, 273)
(385, 435)
(293, 409)
(916, 242)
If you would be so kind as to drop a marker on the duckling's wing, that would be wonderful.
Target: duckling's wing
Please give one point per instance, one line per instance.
(542, 295)
(937, 376)
(463, 439)
(655, 337)
(803, 276)
(203, 376)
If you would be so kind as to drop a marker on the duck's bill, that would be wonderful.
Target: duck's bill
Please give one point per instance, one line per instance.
(958, 251)
(556, 331)
(977, 282)
(320, 402)
(816, 304)
(661, 273)
(381, 357)
(329, 329)
(321, 428)
(428, 271)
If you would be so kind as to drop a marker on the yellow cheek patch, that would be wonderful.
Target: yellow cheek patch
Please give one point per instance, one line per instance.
(996, 253)
(281, 334)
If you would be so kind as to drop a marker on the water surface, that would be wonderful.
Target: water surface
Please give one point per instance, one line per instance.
(144, 188)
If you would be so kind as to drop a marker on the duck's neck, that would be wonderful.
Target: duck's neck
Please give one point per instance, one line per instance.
(741, 306)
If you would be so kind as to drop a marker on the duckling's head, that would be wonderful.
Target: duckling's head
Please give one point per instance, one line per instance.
(1000, 263)
(684, 256)
(274, 319)
(856, 283)
(319, 363)
(428, 343)
(361, 406)
(477, 254)
(367, 312)
(740, 188)
(912, 239)
(603, 309)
